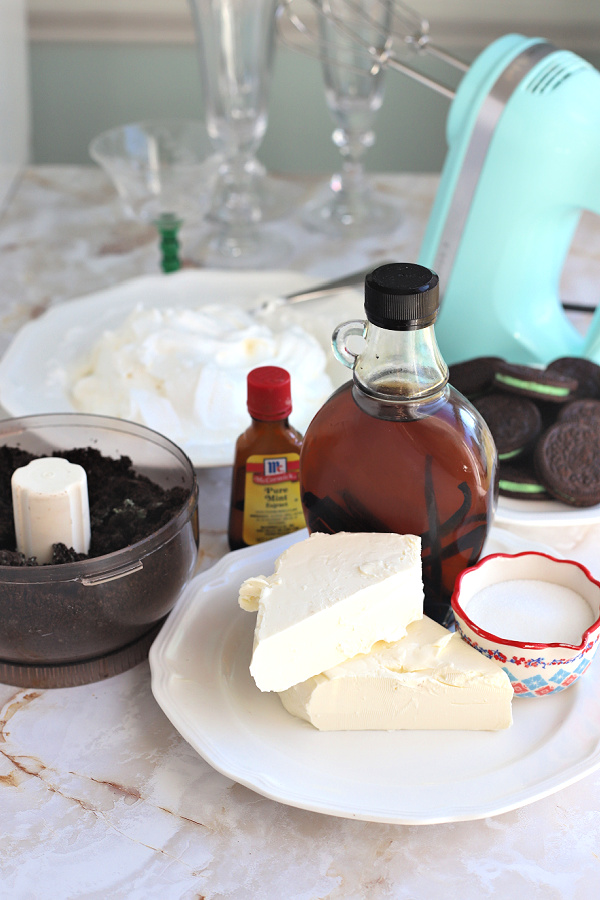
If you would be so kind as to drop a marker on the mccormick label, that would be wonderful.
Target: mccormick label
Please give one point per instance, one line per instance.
(272, 504)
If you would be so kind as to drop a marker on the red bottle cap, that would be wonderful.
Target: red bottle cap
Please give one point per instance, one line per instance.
(269, 393)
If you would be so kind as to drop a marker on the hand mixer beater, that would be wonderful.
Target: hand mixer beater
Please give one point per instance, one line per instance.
(523, 162)
(379, 46)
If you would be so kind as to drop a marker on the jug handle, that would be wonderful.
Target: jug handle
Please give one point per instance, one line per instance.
(339, 341)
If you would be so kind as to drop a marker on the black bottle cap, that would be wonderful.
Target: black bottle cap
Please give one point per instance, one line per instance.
(401, 296)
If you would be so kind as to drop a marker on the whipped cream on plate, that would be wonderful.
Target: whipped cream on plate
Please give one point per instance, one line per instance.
(182, 371)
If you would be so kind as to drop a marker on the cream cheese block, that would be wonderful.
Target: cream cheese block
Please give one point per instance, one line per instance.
(431, 679)
(331, 596)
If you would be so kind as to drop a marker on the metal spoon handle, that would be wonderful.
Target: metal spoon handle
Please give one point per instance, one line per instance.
(354, 279)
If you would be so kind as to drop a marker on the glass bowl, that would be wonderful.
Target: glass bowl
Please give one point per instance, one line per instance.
(162, 166)
(79, 622)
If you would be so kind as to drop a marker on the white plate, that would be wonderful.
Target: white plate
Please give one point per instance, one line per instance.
(200, 678)
(511, 511)
(32, 372)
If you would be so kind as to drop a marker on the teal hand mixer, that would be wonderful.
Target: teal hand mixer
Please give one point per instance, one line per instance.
(523, 162)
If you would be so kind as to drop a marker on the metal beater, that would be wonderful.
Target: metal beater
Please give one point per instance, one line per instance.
(298, 27)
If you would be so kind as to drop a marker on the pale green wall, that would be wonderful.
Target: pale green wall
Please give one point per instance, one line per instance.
(80, 89)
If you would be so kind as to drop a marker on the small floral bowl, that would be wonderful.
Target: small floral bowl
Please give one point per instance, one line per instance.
(496, 591)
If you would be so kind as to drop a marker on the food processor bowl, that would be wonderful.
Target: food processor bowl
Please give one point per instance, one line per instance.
(78, 622)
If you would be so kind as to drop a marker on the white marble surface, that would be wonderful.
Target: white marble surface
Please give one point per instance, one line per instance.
(100, 797)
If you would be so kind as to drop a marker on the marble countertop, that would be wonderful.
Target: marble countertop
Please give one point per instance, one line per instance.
(100, 795)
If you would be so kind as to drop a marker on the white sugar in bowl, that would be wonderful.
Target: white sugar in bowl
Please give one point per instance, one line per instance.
(537, 616)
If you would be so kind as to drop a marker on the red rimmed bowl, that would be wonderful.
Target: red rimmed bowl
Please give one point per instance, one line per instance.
(537, 616)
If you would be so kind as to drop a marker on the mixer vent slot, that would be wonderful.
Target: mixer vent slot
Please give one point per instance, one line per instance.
(550, 76)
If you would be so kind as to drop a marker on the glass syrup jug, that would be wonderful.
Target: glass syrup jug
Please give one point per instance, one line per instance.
(397, 448)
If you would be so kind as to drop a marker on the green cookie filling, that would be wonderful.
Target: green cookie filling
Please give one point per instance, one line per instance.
(520, 487)
(510, 454)
(523, 385)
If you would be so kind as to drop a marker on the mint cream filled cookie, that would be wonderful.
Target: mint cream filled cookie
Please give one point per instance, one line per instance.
(537, 384)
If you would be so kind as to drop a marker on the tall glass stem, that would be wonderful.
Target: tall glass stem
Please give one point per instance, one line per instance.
(351, 187)
(354, 94)
(236, 46)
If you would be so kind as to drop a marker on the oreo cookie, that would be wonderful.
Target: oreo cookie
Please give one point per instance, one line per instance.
(520, 482)
(545, 423)
(585, 411)
(584, 371)
(538, 384)
(567, 462)
(515, 422)
(474, 377)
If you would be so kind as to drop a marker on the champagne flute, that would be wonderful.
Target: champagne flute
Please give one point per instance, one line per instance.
(236, 46)
(354, 87)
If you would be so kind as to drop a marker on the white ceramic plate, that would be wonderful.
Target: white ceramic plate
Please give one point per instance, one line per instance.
(33, 370)
(200, 678)
(511, 511)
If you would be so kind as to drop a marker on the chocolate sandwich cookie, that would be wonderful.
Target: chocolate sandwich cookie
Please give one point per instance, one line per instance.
(474, 377)
(538, 384)
(584, 371)
(567, 462)
(585, 411)
(515, 422)
(520, 482)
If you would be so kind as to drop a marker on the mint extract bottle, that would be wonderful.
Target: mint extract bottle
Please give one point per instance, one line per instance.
(265, 488)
